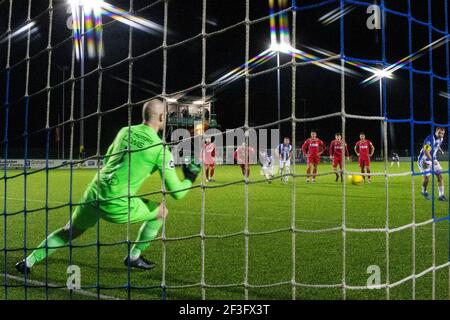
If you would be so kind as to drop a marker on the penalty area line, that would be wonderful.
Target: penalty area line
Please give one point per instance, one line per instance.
(50, 285)
(32, 200)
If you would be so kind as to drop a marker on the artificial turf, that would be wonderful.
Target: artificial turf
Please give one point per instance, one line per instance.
(317, 259)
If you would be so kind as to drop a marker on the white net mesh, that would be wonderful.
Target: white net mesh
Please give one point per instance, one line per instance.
(127, 66)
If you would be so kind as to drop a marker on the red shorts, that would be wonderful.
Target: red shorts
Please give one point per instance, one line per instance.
(337, 162)
(313, 159)
(364, 162)
(209, 165)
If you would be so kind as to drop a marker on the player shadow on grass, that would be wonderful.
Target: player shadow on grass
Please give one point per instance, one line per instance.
(139, 276)
(61, 264)
(57, 275)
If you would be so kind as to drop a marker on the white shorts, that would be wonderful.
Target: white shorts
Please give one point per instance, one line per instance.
(286, 163)
(426, 166)
(267, 171)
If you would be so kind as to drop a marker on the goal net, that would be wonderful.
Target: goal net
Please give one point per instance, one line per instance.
(238, 74)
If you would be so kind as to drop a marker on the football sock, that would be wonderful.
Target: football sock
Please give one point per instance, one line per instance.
(368, 171)
(57, 239)
(441, 191)
(211, 174)
(308, 172)
(207, 173)
(149, 230)
(424, 189)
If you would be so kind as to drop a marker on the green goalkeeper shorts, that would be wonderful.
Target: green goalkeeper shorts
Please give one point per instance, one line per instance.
(86, 216)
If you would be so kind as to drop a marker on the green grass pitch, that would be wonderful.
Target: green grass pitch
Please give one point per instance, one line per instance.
(318, 256)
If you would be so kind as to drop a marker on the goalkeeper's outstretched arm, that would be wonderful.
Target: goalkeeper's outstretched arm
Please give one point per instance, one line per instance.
(178, 189)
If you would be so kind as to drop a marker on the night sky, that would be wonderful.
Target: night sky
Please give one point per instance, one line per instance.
(318, 90)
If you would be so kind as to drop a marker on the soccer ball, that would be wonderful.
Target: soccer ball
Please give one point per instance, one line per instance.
(355, 180)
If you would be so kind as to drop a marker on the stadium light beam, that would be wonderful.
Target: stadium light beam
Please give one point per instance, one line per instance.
(336, 14)
(444, 95)
(18, 32)
(378, 75)
(92, 4)
(281, 47)
(130, 19)
(88, 4)
(88, 14)
(387, 73)
(384, 73)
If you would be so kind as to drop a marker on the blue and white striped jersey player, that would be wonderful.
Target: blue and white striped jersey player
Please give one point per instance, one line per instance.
(284, 152)
(429, 164)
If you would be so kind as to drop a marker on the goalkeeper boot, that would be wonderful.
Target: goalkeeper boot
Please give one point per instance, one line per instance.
(443, 198)
(426, 195)
(22, 267)
(140, 263)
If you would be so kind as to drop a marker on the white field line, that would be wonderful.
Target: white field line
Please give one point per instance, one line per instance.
(338, 223)
(32, 200)
(50, 285)
(227, 215)
(106, 297)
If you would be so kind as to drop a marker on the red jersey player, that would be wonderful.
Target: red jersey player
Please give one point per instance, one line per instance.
(209, 161)
(364, 149)
(337, 147)
(313, 149)
(240, 155)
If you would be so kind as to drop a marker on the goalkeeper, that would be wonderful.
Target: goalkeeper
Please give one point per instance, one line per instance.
(106, 197)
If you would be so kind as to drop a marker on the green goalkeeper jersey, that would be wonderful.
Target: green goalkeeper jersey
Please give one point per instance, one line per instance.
(125, 171)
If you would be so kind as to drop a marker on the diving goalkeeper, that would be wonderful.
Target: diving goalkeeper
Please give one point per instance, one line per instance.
(106, 197)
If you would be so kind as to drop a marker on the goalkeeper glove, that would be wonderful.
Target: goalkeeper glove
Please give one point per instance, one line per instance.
(191, 171)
